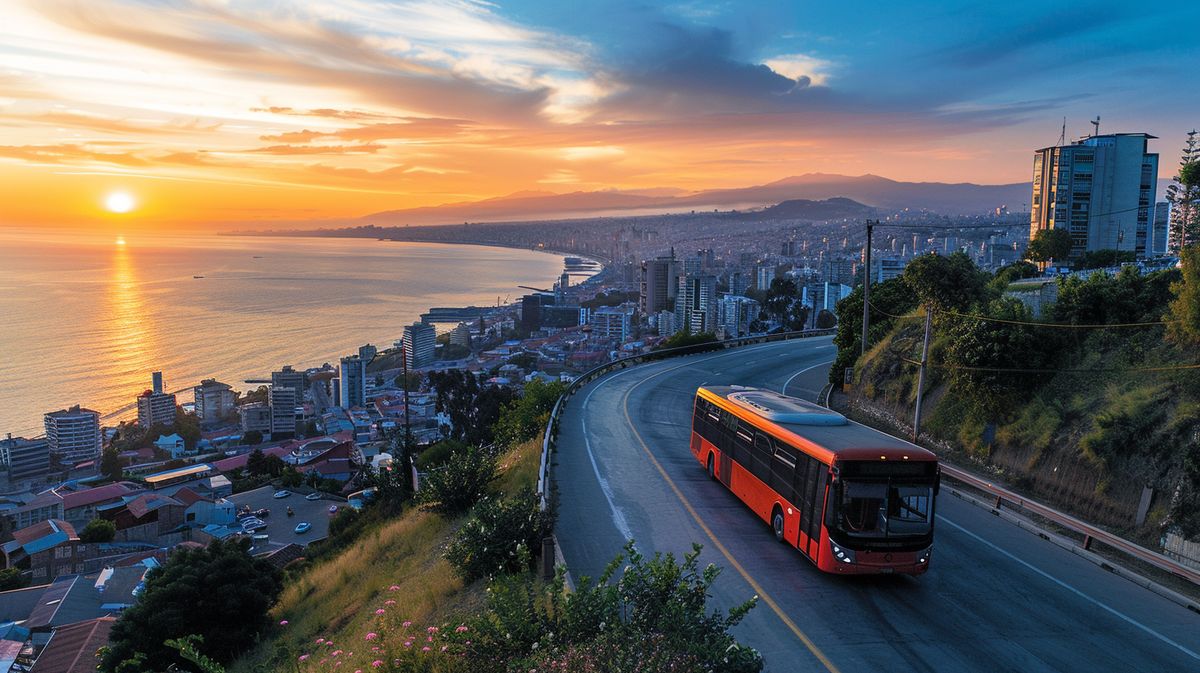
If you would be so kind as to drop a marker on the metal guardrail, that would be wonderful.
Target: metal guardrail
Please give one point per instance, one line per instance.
(1090, 533)
(551, 434)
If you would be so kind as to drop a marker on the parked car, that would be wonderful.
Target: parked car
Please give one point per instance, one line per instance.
(251, 525)
(303, 527)
(260, 513)
(333, 509)
(281, 494)
(313, 496)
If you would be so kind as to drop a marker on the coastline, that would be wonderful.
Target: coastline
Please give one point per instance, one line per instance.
(111, 415)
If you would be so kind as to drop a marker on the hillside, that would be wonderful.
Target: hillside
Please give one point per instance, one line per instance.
(805, 209)
(871, 190)
(1065, 415)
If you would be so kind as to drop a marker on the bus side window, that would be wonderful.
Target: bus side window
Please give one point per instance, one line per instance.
(813, 498)
(803, 464)
(763, 453)
(783, 471)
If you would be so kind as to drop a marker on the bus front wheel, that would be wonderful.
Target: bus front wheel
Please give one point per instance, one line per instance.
(711, 472)
(777, 523)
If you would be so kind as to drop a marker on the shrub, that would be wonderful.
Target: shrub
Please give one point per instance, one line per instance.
(524, 417)
(501, 536)
(98, 530)
(459, 484)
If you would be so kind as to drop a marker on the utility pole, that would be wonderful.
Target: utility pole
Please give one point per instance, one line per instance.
(406, 453)
(867, 285)
(921, 376)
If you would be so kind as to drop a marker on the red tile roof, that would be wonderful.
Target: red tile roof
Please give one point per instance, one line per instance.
(188, 497)
(72, 648)
(97, 495)
(42, 529)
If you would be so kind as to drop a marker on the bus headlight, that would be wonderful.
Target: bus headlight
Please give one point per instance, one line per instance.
(924, 557)
(843, 555)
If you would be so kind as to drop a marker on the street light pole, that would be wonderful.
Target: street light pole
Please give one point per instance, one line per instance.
(921, 376)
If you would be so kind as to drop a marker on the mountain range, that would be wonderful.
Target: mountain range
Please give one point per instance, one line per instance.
(962, 198)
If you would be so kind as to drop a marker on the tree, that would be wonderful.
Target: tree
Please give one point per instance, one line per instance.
(1102, 259)
(1185, 308)
(456, 486)
(946, 283)
(826, 319)
(255, 462)
(110, 464)
(290, 477)
(1184, 197)
(473, 409)
(976, 345)
(98, 530)
(1049, 244)
(12, 578)
(1013, 272)
(219, 592)
(893, 296)
(188, 427)
(252, 437)
(524, 417)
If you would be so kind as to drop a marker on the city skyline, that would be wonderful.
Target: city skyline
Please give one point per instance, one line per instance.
(125, 115)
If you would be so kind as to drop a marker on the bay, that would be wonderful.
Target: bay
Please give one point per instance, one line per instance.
(85, 319)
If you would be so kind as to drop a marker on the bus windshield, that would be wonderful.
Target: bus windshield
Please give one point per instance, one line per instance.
(884, 509)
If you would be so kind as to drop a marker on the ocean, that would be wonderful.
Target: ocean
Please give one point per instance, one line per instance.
(85, 319)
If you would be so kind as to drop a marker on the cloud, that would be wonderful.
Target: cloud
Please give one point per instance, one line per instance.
(802, 68)
(407, 128)
(68, 153)
(282, 150)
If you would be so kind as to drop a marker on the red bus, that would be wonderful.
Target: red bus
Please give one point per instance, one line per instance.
(851, 499)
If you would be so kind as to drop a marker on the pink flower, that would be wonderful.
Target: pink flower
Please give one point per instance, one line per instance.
(372, 635)
(376, 648)
(408, 643)
(380, 611)
(461, 629)
(303, 657)
(377, 663)
(320, 640)
(429, 639)
(283, 622)
(406, 624)
(394, 587)
(445, 647)
(425, 649)
(335, 653)
(432, 629)
(389, 602)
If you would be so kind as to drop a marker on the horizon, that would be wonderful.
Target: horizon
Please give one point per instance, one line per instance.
(122, 115)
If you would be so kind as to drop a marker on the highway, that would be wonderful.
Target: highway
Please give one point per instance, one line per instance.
(996, 598)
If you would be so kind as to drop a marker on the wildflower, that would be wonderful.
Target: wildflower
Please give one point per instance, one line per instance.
(408, 643)
(303, 657)
(406, 624)
(445, 647)
(283, 622)
(461, 629)
(376, 648)
(394, 587)
(389, 602)
(380, 611)
(372, 635)
(376, 664)
(320, 640)
(335, 653)
(425, 649)
(432, 629)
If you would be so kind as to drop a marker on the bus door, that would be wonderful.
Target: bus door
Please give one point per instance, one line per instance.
(810, 492)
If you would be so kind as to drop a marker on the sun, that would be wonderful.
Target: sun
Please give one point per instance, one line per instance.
(119, 202)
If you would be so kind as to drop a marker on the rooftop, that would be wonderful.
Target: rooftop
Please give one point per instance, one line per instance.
(178, 473)
(72, 648)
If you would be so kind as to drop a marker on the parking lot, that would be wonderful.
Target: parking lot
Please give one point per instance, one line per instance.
(280, 526)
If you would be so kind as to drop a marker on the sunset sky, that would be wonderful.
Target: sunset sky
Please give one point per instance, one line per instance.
(218, 113)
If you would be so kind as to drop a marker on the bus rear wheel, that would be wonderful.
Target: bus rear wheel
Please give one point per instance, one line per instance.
(777, 523)
(711, 472)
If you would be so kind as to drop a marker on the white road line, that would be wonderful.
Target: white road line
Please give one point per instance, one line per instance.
(806, 369)
(618, 518)
(1075, 591)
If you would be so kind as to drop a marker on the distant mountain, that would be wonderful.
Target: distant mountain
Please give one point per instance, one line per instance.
(804, 209)
(870, 190)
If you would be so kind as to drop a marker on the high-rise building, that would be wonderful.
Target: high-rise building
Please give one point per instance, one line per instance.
(612, 322)
(290, 378)
(1100, 189)
(73, 434)
(255, 416)
(664, 322)
(1160, 230)
(696, 305)
(886, 268)
(763, 276)
(214, 400)
(283, 403)
(659, 284)
(739, 282)
(154, 407)
(461, 335)
(25, 457)
(367, 353)
(420, 341)
(734, 315)
(839, 271)
(354, 382)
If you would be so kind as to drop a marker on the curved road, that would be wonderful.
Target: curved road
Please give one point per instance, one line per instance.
(995, 598)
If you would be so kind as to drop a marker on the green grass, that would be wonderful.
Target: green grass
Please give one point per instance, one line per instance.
(400, 560)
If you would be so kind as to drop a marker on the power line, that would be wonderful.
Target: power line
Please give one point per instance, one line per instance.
(1021, 370)
(1160, 323)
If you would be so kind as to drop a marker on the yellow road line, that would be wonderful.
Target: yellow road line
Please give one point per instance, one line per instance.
(762, 593)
